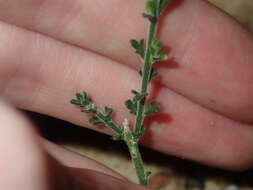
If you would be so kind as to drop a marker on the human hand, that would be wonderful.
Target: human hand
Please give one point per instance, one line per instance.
(84, 45)
(29, 162)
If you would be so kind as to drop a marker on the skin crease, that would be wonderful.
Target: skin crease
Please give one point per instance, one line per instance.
(45, 60)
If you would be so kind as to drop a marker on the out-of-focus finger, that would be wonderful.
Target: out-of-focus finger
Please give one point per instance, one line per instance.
(23, 163)
(74, 160)
(26, 165)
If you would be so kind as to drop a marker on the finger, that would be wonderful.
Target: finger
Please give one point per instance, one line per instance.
(193, 132)
(89, 179)
(204, 42)
(190, 131)
(24, 163)
(74, 160)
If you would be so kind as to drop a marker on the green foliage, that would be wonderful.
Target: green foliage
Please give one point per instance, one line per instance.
(155, 46)
(150, 53)
(157, 54)
(152, 108)
(81, 99)
(100, 118)
(138, 133)
(132, 104)
(138, 47)
(139, 96)
(153, 74)
(151, 7)
(108, 112)
(96, 121)
(154, 9)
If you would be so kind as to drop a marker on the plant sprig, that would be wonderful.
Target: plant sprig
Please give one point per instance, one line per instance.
(153, 54)
(99, 118)
(149, 53)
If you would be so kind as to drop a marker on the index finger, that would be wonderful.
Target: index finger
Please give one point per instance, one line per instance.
(205, 43)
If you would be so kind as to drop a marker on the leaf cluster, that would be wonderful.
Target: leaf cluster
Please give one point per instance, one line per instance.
(99, 118)
(84, 102)
(149, 52)
(154, 9)
(138, 47)
(156, 53)
(132, 104)
(155, 50)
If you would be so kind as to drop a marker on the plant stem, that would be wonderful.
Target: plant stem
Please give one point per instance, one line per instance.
(129, 138)
(146, 72)
(137, 105)
(133, 148)
(109, 123)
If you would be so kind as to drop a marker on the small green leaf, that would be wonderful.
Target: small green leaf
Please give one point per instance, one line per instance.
(75, 102)
(155, 47)
(134, 92)
(152, 108)
(140, 132)
(153, 74)
(96, 121)
(89, 108)
(156, 53)
(81, 100)
(108, 112)
(131, 106)
(151, 18)
(163, 4)
(79, 96)
(138, 96)
(161, 57)
(134, 44)
(138, 47)
(151, 7)
(88, 111)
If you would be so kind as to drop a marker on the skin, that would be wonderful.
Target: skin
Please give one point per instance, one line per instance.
(34, 163)
(52, 49)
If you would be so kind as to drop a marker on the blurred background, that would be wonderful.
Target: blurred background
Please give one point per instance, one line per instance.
(242, 10)
(168, 173)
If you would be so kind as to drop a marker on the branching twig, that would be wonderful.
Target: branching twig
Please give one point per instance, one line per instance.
(149, 54)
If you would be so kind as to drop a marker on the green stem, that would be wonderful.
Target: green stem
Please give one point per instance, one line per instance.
(145, 79)
(135, 156)
(109, 123)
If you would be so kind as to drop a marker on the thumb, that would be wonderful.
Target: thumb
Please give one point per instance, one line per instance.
(25, 164)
